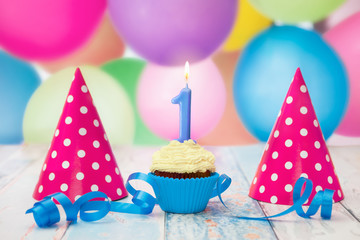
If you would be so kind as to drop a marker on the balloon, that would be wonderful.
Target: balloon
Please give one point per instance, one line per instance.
(158, 85)
(266, 67)
(230, 130)
(248, 23)
(18, 81)
(42, 29)
(171, 32)
(347, 9)
(295, 11)
(113, 105)
(127, 72)
(345, 38)
(104, 46)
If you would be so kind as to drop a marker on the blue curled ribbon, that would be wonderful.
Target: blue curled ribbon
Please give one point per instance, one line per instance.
(46, 213)
(322, 198)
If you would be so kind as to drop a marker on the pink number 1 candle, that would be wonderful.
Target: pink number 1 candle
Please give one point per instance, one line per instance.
(184, 101)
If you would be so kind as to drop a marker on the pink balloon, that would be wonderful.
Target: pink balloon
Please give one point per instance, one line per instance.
(43, 29)
(345, 38)
(158, 85)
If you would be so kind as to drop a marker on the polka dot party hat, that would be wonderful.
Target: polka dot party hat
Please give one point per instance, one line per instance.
(80, 158)
(296, 148)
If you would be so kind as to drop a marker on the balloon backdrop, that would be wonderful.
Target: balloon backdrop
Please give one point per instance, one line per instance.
(42, 29)
(266, 68)
(230, 130)
(45, 106)
(18, 81)
(347, 9)
(104, 46)
(296, 10)
(127, 72)
(158, 85)
(345, 38)
(248, 23)
(171, 32)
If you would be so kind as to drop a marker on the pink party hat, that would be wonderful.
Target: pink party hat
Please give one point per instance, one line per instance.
(296, 148)
(80, 158)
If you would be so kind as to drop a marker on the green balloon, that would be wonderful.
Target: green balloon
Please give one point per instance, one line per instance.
(113, 105)
(127, 72)
(294, 11)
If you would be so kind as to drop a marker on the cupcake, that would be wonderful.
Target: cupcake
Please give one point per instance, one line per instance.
(185, 176)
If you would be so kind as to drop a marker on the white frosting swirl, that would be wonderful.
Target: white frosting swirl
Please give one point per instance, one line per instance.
(186, 157)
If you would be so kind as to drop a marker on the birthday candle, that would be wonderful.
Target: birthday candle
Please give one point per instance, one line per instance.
(184, 101)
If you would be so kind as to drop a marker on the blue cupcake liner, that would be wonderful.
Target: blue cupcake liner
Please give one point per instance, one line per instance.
(184, 195)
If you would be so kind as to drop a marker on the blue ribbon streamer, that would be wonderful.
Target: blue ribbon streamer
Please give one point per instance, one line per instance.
(46, 213)
(321, 198)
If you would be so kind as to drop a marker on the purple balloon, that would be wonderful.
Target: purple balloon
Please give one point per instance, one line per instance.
(172, 32)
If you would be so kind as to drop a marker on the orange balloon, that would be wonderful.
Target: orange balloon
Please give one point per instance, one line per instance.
(103, 46)
(230, 130)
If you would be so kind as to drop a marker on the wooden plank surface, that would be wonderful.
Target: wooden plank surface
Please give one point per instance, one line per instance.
(16, 198)
(15, 159)
(348, 168)
(20, 167)
(342, 225)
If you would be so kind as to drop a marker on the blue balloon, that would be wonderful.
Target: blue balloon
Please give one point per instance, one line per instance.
(18, 81)
(266, 68)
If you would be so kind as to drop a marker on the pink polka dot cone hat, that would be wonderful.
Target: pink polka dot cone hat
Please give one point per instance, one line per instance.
(296, 148)
(80, 158)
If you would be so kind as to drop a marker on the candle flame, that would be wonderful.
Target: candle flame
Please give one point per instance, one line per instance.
(187, 71)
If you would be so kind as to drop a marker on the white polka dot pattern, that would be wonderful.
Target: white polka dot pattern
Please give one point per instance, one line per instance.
(96, 123)
(304, 175)
(70, 99)
(95, 166)
(83, 110)
(80, 158)
(65, 164)
(263, 168)
(68, 120)
(67, 142)
(64, 187)
(288, 188)
(288, 143)
(296, 148)
(51, 176)
(255, 179)
(80, 176)
(96, 144)
(303, 132)
(288, 165)
(82, 131)
(94, 187)
(276, 133)
(119, 192)
(273, 199)
(289, 99)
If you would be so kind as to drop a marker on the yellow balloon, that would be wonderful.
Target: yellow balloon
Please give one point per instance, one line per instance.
(248, 23)
(113, 105)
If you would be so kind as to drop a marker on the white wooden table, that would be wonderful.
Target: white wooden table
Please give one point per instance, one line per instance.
(20, 167)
